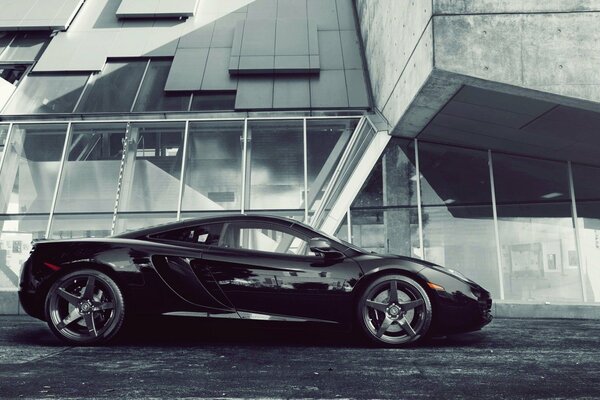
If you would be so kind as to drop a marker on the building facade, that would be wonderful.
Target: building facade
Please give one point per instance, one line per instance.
(456, 133)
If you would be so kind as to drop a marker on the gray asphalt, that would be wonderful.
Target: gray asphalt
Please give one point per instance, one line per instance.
(179, 358)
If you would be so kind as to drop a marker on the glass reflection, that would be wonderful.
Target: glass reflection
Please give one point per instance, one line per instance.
(91, 170)
(587, 193)
(16, 234)
(537, 239)
(30, 168)
(153, 97)
(153, 167)
(47, 93)
(463, 238)
(68, 226)
(453, 175)
(275, 169)
(26, 47)
(132, 221)
(326, 141)
(213, 175)
(113, 89)
(3, 135)
(393, 230)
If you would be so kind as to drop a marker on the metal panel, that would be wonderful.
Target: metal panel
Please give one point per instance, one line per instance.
(200, 38)
(313, 39)
(328, 90)
(266, 9)
(357, 88)
(256, 64)
(236, 50)
(323, 13)
(128, 43)
(351, 50)
(291, 37)
(225, 29)
(176, 8)
(166, 50)
(330, 48)
(292, 9)
(187, 70)
(259, 38)
(81, 51)
(291, 92)
(216, 76)
(292, 64)
(345, 11)
(137, 8)
(254, 93)
(315, 63)
(38, 14)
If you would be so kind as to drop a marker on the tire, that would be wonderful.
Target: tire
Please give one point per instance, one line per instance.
(392, 319)
(85, 307)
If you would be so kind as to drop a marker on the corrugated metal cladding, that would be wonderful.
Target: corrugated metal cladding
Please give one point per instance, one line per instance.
(276, 54)
(156, 8)
(37, 14)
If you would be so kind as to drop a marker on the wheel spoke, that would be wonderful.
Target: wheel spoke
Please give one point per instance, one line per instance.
(377, 306)
(384, 326)
(104, 306)
(88, 293)
(406, 326)
(71, 298)
(91, 325)
(73, 316)
(409, 305)
(393, 292)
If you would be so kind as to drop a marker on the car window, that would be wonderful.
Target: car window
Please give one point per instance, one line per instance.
(208, 234)
(260, 236)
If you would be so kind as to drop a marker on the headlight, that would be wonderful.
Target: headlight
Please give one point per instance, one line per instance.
(456, 273)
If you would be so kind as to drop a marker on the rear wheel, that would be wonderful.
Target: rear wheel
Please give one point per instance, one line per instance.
(394, 310)
(85, 307)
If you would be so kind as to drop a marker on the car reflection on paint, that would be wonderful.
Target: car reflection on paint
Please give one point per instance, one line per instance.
(243, 267)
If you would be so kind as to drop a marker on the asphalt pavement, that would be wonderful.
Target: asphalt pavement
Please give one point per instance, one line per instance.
(183, 358)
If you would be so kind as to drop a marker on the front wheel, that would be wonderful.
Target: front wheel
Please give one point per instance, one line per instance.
(394, 310)
(85, 307)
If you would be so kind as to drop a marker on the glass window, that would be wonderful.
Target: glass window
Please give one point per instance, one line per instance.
(586, 182)
(152, 172)
(275, 165)
(68, 226)
(213, 175)
(133, 221)
(537, 239)
(208, 234)
(453, 175)
(113, 89)
(211, 101)
(261, 236)
(30, 168)
(47, 93)
(5, 39)
(463, 238)
(26, 47)
(3, 135)
(91, 171)
(390, 230)
(326, 140)
(152, 96)
(12, 73)
(16, 234)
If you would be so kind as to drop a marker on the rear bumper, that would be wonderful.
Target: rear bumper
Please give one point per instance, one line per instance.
(31, 304)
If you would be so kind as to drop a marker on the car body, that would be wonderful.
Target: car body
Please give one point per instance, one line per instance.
(243, 267)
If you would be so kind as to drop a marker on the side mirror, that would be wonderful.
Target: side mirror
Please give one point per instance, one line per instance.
(322, 246)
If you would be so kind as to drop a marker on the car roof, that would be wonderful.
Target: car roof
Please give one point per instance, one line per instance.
(220, 218)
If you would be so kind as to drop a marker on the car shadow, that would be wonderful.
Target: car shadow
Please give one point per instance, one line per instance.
(161, 331)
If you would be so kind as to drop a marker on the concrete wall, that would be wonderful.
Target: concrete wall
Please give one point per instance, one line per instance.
(420, 53)
(397, 37)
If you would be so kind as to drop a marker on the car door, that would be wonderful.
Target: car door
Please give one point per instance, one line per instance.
(184, 272)
(266, 269)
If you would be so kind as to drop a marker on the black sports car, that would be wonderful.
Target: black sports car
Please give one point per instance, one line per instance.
(243, 267)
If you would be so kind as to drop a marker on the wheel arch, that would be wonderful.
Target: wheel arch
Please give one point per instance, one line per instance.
(376, 273)
(70, 268)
